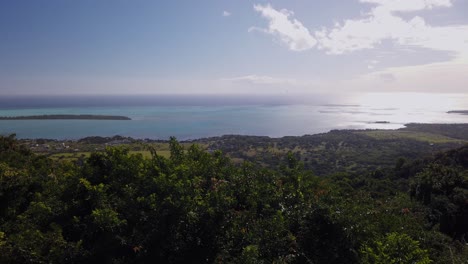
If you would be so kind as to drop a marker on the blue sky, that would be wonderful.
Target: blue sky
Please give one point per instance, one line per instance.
(220, 46)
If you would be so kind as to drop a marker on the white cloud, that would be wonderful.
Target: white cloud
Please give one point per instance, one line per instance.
(226, 13)
(260, 79)
(371, 64)
(409, 5)
(448, 77)
(288, 30)
(381, 23)
(387, 77)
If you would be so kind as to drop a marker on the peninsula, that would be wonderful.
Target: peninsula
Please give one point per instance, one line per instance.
(65, 117)
(461, 112)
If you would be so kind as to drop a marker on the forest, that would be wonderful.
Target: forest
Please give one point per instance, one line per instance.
(199, 206)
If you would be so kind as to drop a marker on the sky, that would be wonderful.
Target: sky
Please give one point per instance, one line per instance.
(233, 47)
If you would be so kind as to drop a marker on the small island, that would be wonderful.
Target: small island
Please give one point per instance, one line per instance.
(461, 112)
(65, 117)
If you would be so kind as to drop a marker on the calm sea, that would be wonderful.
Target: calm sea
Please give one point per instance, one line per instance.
(190, 117)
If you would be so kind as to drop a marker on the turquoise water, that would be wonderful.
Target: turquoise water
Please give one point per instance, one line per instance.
(214, 119)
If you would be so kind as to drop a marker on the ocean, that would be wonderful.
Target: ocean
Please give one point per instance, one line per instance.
(198, 116)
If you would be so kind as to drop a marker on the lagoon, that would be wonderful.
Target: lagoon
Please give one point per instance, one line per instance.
(191, 117)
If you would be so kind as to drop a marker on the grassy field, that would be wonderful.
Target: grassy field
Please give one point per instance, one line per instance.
(162, 149)
(69, 156)
(77, 155)
(323, 153)
(414, 135)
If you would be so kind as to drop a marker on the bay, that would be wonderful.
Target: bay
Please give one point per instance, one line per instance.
(191, 117)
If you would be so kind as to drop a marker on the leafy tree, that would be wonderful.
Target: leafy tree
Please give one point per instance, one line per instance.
(394, 248)
(118, 207)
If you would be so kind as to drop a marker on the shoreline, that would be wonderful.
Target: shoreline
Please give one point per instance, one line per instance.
(436, 128)
(460, 112)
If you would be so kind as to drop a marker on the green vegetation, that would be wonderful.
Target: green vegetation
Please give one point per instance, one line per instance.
(414, 135)
(355, 151)
(395, 248)
(456, 131)
(119, 206)
(349, 151)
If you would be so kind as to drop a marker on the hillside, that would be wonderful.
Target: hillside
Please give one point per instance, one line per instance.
(345, 150)
(334, 152)
(117, 206)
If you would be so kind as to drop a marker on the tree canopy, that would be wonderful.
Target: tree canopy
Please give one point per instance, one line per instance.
(199, 207)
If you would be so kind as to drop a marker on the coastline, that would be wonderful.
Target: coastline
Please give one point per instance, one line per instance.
(350, 146)
(460, 112)
(436, 128)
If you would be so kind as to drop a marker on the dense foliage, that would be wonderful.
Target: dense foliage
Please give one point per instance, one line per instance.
(198, 207)
(342, 150)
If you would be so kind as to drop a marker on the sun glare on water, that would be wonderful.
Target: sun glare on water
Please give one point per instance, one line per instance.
(413, 101)
(393, 110)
